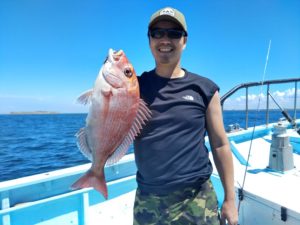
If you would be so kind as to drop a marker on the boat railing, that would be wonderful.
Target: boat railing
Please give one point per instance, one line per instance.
(48, 199)
(266, 83)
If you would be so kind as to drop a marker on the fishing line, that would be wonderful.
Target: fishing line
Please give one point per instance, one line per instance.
(253, 131)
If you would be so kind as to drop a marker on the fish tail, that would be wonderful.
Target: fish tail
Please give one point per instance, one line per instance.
(90, 179)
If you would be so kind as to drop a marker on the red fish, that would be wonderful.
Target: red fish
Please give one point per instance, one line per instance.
(115, 117)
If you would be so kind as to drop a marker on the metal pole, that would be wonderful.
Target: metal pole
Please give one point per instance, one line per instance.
(246, 108)
(268, 106)
(295, 101)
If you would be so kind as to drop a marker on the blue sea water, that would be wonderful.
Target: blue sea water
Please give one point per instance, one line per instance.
(32, 144)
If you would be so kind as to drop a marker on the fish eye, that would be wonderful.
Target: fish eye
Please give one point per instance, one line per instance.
(128, 72)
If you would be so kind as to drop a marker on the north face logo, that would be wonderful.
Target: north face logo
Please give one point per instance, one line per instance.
(188, 97)
(167, 11)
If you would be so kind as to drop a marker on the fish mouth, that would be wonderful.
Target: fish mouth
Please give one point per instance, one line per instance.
(108, 72)
(115, 56)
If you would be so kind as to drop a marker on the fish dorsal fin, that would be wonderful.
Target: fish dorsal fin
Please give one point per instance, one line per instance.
(142, 116)
(85, 97)
(83, 144)
(120, 151)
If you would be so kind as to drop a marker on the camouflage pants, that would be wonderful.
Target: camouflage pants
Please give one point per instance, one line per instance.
(185, 207)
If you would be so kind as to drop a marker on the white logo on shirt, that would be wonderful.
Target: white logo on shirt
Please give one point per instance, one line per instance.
(188, 97)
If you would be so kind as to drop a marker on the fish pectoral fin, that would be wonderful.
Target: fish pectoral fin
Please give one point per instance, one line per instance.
(85, 97)
(106, 91)
(83, 144)
(143, 115)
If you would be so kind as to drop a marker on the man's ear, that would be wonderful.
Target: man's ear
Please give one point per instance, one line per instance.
(184, 42)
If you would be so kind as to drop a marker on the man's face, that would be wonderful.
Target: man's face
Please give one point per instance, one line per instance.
(167, 50)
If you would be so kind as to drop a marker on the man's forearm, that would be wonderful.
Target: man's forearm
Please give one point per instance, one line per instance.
(223, 161)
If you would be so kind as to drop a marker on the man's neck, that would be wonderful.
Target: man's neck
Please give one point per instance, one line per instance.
(169, 71)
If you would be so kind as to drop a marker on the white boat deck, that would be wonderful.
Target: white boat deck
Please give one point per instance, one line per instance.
(273, 190)
(113, 212)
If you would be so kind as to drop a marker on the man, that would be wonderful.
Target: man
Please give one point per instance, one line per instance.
(172, 160)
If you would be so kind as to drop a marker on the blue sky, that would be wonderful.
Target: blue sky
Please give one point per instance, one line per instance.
(51, 50)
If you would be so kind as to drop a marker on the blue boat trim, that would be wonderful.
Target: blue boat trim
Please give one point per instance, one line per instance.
(237, 154)
(69, 207)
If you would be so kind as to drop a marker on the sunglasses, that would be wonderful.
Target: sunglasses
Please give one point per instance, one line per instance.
(171, 33)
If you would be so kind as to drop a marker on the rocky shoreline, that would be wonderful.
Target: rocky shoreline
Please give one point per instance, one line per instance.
(33, 113)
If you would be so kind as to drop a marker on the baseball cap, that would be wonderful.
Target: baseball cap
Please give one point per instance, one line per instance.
(168, 13)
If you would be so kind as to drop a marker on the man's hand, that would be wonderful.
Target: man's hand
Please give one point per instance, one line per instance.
(229, 213)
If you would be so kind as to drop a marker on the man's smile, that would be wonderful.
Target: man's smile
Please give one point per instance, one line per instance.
(165, 49)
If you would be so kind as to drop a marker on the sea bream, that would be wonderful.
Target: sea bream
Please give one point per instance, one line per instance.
(116, 115)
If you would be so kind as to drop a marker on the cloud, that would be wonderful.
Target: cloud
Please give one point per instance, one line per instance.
(284, 98)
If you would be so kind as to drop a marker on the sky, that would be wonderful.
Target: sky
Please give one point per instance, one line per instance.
(52, 50)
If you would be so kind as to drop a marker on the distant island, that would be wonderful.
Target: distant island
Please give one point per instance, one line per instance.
(33, 113)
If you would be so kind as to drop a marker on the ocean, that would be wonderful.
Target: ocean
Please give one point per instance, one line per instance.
(32, 144)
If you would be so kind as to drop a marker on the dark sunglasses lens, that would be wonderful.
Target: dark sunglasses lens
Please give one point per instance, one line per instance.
(175, 34)
(157, 33)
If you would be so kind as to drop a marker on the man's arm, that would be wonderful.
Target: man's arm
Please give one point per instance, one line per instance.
(222, 157)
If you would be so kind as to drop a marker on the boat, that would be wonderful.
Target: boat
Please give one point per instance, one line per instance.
(267, 163)
(267, 179)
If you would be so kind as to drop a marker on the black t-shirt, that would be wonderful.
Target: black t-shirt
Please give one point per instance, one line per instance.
(170, 152)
